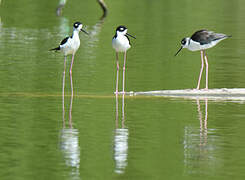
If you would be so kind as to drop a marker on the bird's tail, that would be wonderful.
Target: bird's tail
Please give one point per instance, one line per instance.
(55, 49)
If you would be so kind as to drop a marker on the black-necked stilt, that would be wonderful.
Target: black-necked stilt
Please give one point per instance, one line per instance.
(70, 45)
(200, 41)
(121, 43)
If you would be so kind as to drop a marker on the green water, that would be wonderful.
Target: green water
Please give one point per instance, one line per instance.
(131, 138)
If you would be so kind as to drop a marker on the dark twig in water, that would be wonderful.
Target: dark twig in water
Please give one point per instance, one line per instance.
(104, 8)
(60, 7)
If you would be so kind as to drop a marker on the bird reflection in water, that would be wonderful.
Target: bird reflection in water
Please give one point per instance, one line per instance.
(120, 141)
(69, 144)
(0, 24)
(200, 145)
(92, 43)
(0, 17)
(203, 123)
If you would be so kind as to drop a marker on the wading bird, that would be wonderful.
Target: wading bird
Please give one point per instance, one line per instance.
(70, 45)
(121, 43)
(200, 41)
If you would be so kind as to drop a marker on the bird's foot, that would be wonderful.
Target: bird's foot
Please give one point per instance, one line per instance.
(123, 92)
(204, 89)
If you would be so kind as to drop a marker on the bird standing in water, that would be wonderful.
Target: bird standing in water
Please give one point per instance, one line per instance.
(200, 41)
(70, 45)
(121, 43)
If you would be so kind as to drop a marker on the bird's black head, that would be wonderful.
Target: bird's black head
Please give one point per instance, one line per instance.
(184, 44)
(183, 41)
(121, 28)
(76, 24)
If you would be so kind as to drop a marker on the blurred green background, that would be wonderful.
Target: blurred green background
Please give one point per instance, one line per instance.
(159, 138)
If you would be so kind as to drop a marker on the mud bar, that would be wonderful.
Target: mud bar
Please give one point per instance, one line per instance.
(223, 93)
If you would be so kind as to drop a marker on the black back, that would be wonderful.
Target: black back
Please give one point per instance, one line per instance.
(205, 36)
(64, 41)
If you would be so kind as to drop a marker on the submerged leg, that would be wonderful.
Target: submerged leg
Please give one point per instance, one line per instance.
(200, 75)
(206, 62)
(124, 68)
(117, 73)
(70, 111)
(116, 111)
(123, 114)
(63, 90)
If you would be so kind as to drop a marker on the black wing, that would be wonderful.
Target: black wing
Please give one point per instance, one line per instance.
(55, 49)
(205, 36)
(115, 36)
(202, 36)
(64, 41)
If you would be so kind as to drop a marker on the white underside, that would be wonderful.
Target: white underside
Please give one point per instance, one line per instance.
(120, 44)
(71, 46)
(195, 46)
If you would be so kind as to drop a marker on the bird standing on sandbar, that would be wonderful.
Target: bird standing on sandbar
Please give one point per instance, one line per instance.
(200, 41)
(70, 45)
(121, 43)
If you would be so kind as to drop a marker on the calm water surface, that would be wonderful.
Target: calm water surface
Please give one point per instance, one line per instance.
(103, 137)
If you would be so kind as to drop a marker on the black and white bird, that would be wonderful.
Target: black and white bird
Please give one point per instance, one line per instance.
(200, 41)
(70, 45)
(121, 43)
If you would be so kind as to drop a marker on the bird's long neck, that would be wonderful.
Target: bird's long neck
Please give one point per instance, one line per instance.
(121, 35)
(75, 34)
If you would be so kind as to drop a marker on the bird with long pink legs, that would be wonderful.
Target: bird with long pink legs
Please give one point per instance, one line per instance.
(200, 41)
(70, 45)
(121, 43)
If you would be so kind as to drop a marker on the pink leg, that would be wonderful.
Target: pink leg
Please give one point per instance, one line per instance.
(206, 62)
(63, 90)
(200, 75)
(72, 60)
(124, 68)
(70, 111)
(117, 73)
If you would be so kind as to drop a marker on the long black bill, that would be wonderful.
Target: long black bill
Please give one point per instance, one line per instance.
(131, 35)
(178, 51)
(84, 31)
